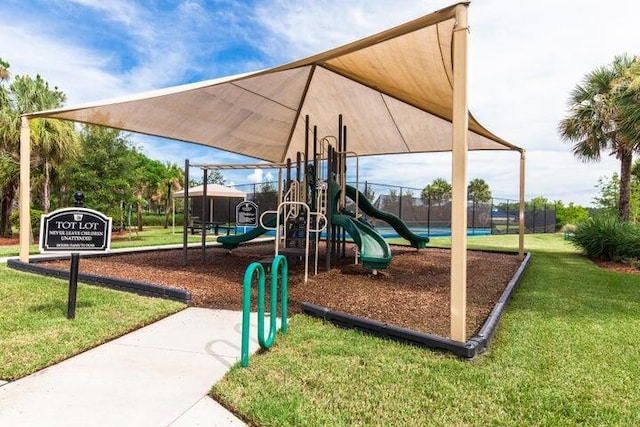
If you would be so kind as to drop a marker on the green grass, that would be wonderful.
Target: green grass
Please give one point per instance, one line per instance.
(34, 330)
(155, 236)
(150, 236)
(565, 354)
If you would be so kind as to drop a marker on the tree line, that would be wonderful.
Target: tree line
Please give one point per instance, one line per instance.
(103, 163)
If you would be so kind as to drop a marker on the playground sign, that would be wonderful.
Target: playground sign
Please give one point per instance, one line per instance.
(75, 230)
(247, 214)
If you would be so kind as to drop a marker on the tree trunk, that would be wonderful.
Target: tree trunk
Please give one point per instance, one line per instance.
(626, 161)
(6, 205)
(167, 207)
(46, 194)
(139, 215)
(122, 210)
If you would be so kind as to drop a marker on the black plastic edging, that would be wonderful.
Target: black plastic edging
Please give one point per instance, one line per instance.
(140, 288)
(384, 330)
(468, 350)
(486, 333)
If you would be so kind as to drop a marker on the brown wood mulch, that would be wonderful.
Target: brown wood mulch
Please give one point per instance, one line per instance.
(412, 293)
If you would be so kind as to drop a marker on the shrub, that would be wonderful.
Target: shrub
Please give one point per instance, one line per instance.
(35, 220)
(154, 220)
(606, 238)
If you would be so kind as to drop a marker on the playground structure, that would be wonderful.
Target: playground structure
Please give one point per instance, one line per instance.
(316, 200)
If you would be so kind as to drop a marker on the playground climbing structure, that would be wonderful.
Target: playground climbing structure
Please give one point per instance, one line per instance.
(318, 202)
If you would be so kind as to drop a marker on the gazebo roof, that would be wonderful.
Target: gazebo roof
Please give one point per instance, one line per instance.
(213, 190)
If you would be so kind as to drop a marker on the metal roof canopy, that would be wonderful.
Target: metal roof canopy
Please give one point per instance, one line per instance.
(403, 90)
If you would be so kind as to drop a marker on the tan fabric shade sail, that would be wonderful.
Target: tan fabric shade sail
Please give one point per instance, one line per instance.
(213, 190)
(394, 90)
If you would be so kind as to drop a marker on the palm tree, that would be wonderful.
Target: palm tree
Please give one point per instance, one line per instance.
(478, 191)
(4, 70)
(52, 140)
(603, 117)
(174, 180)
(438, 190)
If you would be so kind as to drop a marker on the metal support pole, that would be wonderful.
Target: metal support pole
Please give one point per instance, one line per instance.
(521, 212)
(315, 168)
(329, 207)
(460, 125)
(185, 215)
(205, 213)
(75, 266)
(25, 189)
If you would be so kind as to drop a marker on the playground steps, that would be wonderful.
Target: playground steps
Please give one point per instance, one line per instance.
(296, 232)
(293, 254)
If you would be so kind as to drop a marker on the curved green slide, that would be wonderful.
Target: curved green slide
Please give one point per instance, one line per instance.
(234, 240)
(374, 249)
(401, 228)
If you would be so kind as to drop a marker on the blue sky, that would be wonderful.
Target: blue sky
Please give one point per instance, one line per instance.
(524, 58)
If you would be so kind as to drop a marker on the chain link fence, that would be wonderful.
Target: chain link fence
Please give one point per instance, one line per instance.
(430, 215)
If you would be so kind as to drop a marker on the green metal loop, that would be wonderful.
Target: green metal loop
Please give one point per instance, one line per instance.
(281, 261)
(246, 308)
(279, 268)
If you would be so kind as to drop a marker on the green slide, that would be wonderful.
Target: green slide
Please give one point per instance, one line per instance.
(401, 228)
(232, 241)
(374, 250)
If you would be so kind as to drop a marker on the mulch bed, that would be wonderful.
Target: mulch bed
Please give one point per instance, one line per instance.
(412, 293)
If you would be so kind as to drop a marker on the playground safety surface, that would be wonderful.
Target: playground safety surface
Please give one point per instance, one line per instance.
(412, 293)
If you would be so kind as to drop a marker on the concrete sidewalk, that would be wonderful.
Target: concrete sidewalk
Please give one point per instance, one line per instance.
(158, 375)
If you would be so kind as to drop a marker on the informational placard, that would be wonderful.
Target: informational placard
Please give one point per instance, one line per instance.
(75, 230)
(247, 214)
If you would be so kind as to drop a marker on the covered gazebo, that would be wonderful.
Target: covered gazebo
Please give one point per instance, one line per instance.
(403, 90)
(215, 208)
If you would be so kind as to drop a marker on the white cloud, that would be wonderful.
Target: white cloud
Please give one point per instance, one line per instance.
(79, 72)
(255, 177)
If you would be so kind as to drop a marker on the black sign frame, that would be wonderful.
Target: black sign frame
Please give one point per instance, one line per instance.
(245, 210)
(75, 229)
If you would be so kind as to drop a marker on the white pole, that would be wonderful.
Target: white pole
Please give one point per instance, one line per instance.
(521, 210)
(25, 189)
(460, 119)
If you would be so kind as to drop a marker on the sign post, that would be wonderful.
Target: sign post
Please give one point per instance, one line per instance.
(75, 230)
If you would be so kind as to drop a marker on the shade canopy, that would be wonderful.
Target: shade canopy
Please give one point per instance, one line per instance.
(213, 190)
(393, 89)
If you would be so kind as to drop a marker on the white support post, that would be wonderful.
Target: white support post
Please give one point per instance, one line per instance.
(521, 213)
(460, 123)
(25, 189)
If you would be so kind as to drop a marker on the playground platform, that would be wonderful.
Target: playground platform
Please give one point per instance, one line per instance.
(158, 375)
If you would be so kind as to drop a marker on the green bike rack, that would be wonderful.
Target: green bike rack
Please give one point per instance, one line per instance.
(279, 262)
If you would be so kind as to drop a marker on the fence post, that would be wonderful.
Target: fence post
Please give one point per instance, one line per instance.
(491, 216)
(428, 214)
(546, 206)
(473, 216)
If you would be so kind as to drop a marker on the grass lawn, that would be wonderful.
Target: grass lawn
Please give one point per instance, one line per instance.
(565, 354)
(150, 236)
(34, 330)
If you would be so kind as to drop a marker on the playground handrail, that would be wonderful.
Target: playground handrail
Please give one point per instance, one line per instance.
(307, 225)
(343, 182)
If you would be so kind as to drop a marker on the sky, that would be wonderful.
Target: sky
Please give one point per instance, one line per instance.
(524, 59)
